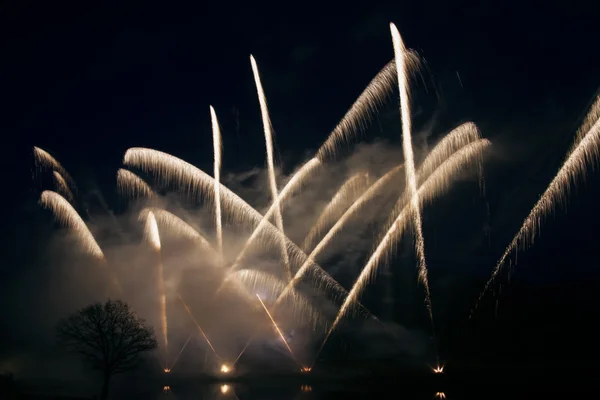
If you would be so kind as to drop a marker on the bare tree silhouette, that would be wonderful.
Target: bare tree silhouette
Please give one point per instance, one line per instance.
(109, 336)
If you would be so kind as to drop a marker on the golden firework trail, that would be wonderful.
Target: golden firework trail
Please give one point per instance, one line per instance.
(61, 186)
(177, 227)
(360, 112)
(353, 210)
(66, 215)
(174, 171)
(217, 150)
(276, 327)
(264, 112)
(354, 186)
(270, 286)
(132, 186)
(45, 159)
(288, 190)
(179, 354)
(584, 153)
(198, 325)
(437, 182)
(458, 138)
(411, 179)
(152, 236)
(450, 143)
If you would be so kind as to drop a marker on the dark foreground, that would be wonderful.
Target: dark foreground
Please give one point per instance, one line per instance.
(466, 384)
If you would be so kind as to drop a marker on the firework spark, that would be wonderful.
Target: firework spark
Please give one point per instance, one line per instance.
(66, 215)
(276, 327)
(62, 187)
(179, 354)
(585, 152)
(264, 111)
(45, 159)
(347, 193)
(217, 149)
(198, 325)
(132, 186)
(288, 190)
(152, 236)
(411, 179)
(437, 182)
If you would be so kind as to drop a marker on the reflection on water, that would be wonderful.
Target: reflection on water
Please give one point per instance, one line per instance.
(224, 391)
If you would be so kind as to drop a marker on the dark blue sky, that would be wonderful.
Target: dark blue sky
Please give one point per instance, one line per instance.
(88, 83)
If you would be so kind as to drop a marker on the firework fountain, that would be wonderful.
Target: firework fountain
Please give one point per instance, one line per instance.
(274, 296)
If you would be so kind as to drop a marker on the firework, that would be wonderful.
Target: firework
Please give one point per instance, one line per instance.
(61, 186)
(66, 215)
(198, 325)
(153, 238)
(44, 159)
(436, 182)
(353, 187)
(216, 131)
(132, 186)
(179, 354)
(585, 152)
(276, 327)
(264, 112)
(411, 179)
(177, 227)
(288, 190)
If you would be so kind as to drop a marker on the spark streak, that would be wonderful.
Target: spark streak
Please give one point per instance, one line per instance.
(293, 184)
(45, 159)
(347, 193)
(586, 151)
(436, 182)
(66, 215)
(270, 163)
(198, 325)
(132, 186)
(411, 180)
(276, 327)
(180, 351)
(152, 236)
(217, 149)
(62, 187)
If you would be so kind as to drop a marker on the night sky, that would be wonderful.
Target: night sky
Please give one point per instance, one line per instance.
(88, 83)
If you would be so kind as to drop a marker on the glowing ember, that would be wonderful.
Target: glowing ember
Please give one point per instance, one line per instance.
(225, 368)
(167, 389)
(305, 369)
(167, 370)
(224, 388)
(306, 388)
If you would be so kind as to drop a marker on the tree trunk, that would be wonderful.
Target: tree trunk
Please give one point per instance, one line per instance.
(105, 386)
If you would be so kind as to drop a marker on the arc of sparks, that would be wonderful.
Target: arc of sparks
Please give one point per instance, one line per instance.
(264, 111)
(288, 190)
(44, 159)
(585, 151)
(353, 186)
(132, 186)
(217, 151)
(172, 170)
(62, 186)
(437, 181)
